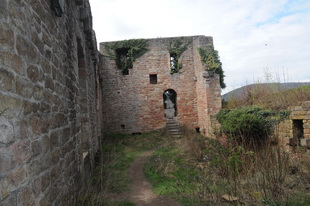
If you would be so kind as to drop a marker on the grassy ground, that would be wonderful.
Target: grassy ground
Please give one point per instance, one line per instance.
(199, 171)
(111, 181)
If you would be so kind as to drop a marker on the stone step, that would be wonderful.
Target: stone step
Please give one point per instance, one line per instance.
(174, 124)
(173, 128)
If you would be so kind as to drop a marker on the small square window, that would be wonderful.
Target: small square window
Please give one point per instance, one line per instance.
(153, 78)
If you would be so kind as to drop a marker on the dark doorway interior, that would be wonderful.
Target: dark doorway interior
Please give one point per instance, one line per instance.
(298, 130)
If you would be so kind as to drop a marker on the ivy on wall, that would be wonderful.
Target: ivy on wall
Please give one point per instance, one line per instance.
(211, 60)
(124, 53)
(176, 49)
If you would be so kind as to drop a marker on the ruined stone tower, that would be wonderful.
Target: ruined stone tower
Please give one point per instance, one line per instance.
(136, 100)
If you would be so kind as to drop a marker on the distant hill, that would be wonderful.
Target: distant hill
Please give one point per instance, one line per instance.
(276, 87)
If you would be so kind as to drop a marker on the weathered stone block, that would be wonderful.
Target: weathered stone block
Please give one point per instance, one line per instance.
(25, 196)
(45, 180)
(10, 106)
(24, 87)
(47, 39)
(66, 134)
(38, 124)
(6, 160)
(7, 133)
(37, 186)
(33, 73)
(305, 142)
(30, 107)
(48, 96)
(37, 92)
(35, 167)
(7, 38)
(46, 144)
(26, 49)
(14, 180)
(54, 138)
(7, 80)
(4, 9)
(21, 152)
(55, 157)
(49, 84)
(58, 120)
(9, 201)
(36, 147)
(37, 41)
(13, 61)
(23, 130)
(56, 172)
(45, 108)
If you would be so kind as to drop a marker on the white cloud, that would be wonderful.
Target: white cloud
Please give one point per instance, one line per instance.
(250, 35)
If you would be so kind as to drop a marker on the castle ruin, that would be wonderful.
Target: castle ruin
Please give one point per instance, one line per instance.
(57, 94)
(138, 100)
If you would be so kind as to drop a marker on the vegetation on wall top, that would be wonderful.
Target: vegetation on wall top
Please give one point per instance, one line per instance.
(211, 60)
(176, 49)
(124, 53)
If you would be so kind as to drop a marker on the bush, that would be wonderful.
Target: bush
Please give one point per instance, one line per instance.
(249, 125)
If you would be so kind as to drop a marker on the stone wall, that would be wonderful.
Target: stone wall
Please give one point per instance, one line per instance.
(49, 101)
(296, 130)
(132, 104)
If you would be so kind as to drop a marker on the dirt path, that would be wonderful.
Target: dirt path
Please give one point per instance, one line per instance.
(141, 189)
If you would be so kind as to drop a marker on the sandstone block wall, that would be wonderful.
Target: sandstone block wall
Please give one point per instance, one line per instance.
(132, 104)
(297, 128)
(49, 101)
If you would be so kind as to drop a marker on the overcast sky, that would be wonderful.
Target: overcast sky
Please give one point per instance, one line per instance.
(257, 40)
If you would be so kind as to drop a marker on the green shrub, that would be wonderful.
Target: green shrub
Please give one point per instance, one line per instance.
(249, 125)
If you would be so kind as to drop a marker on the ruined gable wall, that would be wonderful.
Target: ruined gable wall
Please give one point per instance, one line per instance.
(44, 107)
(132, 101)
(132, 104)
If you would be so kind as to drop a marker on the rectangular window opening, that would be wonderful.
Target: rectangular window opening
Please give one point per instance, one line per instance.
(174, 63)
(153, 78)
(123, 60)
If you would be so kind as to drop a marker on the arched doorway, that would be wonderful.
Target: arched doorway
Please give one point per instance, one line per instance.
(170, 103)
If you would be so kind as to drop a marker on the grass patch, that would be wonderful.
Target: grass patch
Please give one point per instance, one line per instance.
(111, 176)
(171, 174)
(199, 171)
